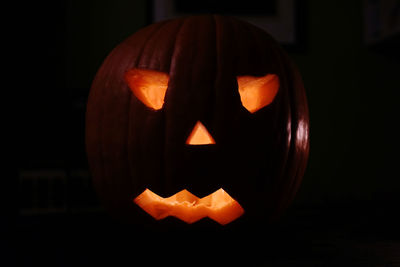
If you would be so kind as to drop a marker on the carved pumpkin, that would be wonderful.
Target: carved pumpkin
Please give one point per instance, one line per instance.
(203, 116)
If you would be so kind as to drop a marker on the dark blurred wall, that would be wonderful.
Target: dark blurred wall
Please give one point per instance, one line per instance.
(353, 94)
(61, 45)
(94, 28)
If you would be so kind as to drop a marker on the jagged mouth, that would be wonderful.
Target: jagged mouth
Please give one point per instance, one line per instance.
(218, 206)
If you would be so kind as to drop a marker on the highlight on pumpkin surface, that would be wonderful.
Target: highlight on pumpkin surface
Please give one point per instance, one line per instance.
(200, 136)
(219, 206)
(149, 86)
(257, 92)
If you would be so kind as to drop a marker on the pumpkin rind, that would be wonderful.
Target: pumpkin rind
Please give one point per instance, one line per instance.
(258, 158)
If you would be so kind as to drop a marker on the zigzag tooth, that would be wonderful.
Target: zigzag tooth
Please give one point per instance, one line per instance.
(218, 206)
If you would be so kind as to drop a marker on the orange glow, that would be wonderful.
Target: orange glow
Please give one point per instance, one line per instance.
(200, 136)
(257, 92)
(149, 86)
(218, 206)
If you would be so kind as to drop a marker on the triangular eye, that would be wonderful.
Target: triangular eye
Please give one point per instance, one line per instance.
(257, 92)
(149, 86)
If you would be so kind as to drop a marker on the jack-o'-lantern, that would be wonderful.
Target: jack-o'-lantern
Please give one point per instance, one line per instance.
(196, 117)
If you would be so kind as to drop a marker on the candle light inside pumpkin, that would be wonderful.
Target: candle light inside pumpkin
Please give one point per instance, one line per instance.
(219, 206)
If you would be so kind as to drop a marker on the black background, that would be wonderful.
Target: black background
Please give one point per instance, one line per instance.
(346, 210)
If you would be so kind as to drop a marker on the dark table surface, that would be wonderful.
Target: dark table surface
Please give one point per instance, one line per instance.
(303, 237)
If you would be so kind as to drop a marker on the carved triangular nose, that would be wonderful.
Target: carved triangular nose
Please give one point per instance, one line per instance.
(200, 136)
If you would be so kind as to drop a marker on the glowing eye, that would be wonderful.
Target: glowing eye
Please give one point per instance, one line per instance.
(149, 86)
(257, 92)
